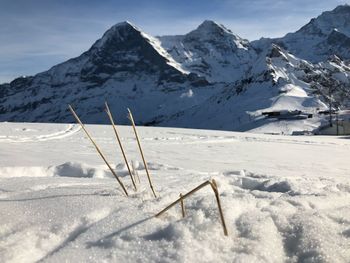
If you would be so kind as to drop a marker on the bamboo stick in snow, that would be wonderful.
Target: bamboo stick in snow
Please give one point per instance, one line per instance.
(98, 150)
(140, 148)
(182, 207)
(216, 192)
(183, 197)
(109, 113)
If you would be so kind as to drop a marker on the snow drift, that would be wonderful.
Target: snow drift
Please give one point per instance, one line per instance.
(285, 199)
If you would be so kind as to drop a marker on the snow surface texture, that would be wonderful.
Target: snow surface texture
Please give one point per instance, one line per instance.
(208, 78)
(285, 199)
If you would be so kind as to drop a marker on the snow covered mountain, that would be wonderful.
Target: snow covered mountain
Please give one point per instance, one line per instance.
(208, 78)
(126, 67)
(322, 37)
(212, 51)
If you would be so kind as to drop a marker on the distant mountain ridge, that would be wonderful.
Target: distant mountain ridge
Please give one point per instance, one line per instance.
(209, 78)
(326, 35)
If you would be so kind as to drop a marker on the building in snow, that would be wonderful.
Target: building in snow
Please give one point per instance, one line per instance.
(340, 125)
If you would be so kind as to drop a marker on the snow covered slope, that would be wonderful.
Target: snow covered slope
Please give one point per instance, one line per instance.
(285, 199)
(209, 78)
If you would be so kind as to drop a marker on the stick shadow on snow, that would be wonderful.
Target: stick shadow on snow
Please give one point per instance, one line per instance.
(107, 241)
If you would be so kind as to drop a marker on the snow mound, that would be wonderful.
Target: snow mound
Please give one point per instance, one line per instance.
(67, 169)
(73, 169)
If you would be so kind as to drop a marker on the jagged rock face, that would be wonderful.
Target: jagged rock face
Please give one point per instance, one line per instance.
(124, 50)
(326, 35)
(211, 51)
(323, 25)
(208, 78)
(218, 36)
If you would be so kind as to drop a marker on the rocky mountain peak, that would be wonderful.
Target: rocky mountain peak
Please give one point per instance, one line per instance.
(210, 26)
(117, 33)
(124, 51)
(216, 35)
(210, 30)
(324, 24)
(341, 9)
(323, 36)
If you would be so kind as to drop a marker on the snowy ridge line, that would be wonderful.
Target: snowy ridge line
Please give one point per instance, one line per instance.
(69, 131)
(156, 44)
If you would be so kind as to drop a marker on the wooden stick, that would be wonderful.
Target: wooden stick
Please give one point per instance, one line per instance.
(182, 206)
(216, 192)
(183, 197)
(140, 148)
(98, 150)
(120, 144)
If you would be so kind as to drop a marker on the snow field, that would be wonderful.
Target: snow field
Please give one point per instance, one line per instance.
(285, 199)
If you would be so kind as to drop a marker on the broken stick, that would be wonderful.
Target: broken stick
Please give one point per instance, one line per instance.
(216, 192)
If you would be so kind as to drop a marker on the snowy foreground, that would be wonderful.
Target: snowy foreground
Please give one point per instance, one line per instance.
(285, 199)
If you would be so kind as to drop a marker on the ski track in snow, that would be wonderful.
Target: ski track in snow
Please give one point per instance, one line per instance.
(72, 211)
(69, 131)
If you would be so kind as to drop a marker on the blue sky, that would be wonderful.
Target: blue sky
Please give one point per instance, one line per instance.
(37, 34)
